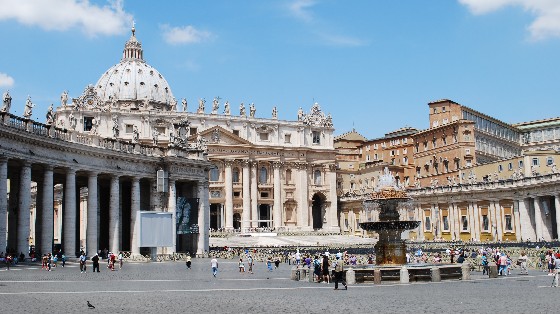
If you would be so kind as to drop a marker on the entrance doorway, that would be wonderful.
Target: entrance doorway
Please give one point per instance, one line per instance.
(264, 216)
(318, 211)
(237, 221)
(215, 216)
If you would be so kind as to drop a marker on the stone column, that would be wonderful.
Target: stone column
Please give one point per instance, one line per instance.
(516, 220)
(47, 216)
(421, 228)
(333, 208)
(134, 209)
(277, 210)
(254, 195)
(538, 218)
(557, 206)
(172, 208)
(203, 218)
(470, 214)
(69, 215)
(92, 216)
(114, 216)
(24, 209)
(246, 215)
(451, 219)
(4, 203)
(499, 220)
(476, 221)
(527, 230)
(304, 197)
(229, 195)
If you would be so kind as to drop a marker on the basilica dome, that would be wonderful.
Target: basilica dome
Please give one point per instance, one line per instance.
(132, 79)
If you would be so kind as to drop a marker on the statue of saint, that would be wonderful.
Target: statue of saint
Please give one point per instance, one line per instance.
(215, 105)
(116, 126)
(155, 137)
(173, 104)
(6, 102)
(226, 109)
(72, 121)
(64, 99)
(242, 110)
(274, 113)
(135, 135)
(94, 125)
(50, 115)
(252, 110)
(201, 103)
(28, 111)
(300, 114)
(184, 104)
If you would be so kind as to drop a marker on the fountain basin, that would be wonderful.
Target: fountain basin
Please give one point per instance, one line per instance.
(390, 225)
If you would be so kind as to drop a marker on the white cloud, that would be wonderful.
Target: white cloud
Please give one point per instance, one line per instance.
(546, 12)
(62, 15)
(6, 80)
(299, 9)
(184, 35)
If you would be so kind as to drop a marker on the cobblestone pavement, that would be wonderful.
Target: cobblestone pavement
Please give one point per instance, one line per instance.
(170, 288)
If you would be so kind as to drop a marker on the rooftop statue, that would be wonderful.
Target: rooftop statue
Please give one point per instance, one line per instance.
(242, 110)
(227, 111)
(201, 103)
(64, 99)
(215, 105)
(274, 113)
(28, 111)
(50, 115)
(252, 110)
(6, 102)
(184, 104)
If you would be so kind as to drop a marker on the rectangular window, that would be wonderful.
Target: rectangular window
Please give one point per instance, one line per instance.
(521, 164)
(287, 138)
(316, 137)
(509, 225)
(264, 194)
(375, 146)
(129, 128)
(535, 161)
(193, 131)
(160, 129)
(375, 157)
(468, 163)
(549, 161)
(235, 132)
(427, 223)
(88, 124)
(485, 223)
(237, 194)
(445, 223)
(263, 136)
(500, 168)
(464, 223)
(467, 151)
(510, 166)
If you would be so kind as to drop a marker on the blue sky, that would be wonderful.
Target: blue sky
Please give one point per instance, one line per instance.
(374, 65)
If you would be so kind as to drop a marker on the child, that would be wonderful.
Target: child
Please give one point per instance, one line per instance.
(241, 266)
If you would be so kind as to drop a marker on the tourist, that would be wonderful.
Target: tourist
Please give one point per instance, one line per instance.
(298, 257)
(44, 262)
(316, 269)
(338, 273)
(277, 262)
(112, 259)
(325, 268)
(269, 263)
(188, 262)
(95, 261)
(49, 261)
(8, 261)
(83, 262)
(250, 262)
(121, 258)
(503, 265)
(522, 262)
(214, 264)
(556, 272)
(241, 266)
(63, 259)
(550, 262)
(484, 263)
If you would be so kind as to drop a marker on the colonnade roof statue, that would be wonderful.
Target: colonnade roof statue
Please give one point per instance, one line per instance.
(134, 84)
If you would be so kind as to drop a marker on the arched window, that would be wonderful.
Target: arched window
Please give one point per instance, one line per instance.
(288, 176)
(235, 176)
(263, 175)
(317, 177)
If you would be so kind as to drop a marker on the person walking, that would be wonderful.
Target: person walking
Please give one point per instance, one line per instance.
(269, 263)
(556, 272)
(121, 257)
(339, 274)
(214, 264)
(522, 262)
(188, 262)
(95, 261)
(241, 266)
(83, 262)
(250, 262)
(325, 268)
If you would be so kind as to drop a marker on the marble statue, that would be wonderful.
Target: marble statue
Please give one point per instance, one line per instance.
(6, 102)
(242, 110)
(184, 104)
(215, 105)
(173, 104)
(135, 135)
(252, 110)
(72, 121)
(116, 130)
(155, 137)
(94, 125)
(300, 114)
(28, 111)
(274, 113)
(227, 111)
(50, 115)
(201, 103)
(64, 99)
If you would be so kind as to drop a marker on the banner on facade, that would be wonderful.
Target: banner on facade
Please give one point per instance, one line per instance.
(187, 210)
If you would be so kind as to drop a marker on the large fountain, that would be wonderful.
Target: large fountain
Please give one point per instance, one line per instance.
(388, 197)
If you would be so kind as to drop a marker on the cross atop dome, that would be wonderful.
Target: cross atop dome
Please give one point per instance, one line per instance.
(133, 48)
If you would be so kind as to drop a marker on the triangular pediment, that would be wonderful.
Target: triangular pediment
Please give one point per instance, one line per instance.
(218, 135)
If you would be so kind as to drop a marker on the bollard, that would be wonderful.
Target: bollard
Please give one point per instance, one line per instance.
(436, 274)
(466, 271)
(377, 276)
(492, 270)
(303, 274)
(293, 276)
(404, 275)
(311, 274)
(350, 276)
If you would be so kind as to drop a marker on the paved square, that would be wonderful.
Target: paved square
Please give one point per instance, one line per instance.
(170, 288)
